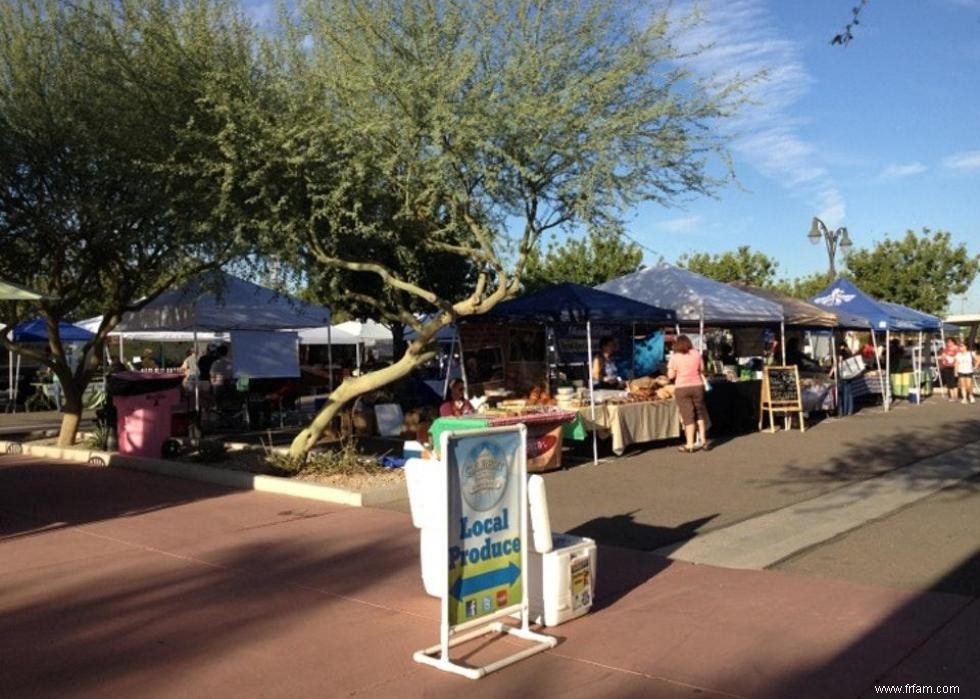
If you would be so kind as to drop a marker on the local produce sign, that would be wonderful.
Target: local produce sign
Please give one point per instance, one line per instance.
(485, 553)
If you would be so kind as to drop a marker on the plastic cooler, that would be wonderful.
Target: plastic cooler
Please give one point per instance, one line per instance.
(144, 403)
(561, 582)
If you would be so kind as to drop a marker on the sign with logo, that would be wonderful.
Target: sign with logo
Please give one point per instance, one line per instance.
(485, 546)
(486, 491)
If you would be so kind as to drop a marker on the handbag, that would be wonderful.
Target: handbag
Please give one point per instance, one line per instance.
(851, 367)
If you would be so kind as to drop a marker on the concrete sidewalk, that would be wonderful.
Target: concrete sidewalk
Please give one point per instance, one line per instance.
(121, 584)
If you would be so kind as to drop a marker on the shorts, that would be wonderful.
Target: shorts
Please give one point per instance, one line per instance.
(966, 376)
(690, 404)
(948, 376)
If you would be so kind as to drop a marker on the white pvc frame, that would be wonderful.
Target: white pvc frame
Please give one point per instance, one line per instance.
(437, 656)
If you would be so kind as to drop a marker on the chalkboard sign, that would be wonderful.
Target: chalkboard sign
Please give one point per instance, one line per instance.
(781, 393)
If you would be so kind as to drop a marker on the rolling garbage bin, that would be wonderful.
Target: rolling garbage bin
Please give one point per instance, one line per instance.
(144, 403)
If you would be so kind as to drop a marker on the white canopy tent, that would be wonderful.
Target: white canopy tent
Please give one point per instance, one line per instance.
(219, 302)
(367, 333)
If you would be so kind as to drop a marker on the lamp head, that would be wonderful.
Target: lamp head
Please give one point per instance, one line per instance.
(845, 239)
(815, 233)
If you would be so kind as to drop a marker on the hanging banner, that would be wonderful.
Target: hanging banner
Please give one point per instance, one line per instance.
(485, 546)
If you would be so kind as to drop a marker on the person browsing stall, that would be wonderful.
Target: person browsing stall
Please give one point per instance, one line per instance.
(605, 374)
(221, 371)
(686, 370)
(964, 372)
(456, 403)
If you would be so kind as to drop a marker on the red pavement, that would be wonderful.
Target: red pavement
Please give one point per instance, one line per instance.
(121, 584)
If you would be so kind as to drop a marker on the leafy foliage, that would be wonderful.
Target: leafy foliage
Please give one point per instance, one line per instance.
(108, 112)
(805, 287)
(741, 265)
(589, 260)
(920, 271)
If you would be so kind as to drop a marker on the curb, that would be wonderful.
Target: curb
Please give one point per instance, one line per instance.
(218, 476)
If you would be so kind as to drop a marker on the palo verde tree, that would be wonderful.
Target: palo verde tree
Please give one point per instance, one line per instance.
(108, 110)
(589, 260)
(410, 129)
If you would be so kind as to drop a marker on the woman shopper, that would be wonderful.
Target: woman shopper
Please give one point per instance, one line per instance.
(947, 368)
(964, 372)
(686, 370)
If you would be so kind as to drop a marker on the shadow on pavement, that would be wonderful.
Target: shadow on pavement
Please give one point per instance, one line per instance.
(43, 495)
(622, 530)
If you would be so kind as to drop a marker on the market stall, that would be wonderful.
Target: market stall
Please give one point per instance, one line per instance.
(700, 303)
(848, 302)
(506, 351)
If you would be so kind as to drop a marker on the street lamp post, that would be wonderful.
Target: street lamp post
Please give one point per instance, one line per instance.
(833, 240)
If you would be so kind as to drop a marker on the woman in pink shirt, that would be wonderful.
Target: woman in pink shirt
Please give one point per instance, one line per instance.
(685, 370)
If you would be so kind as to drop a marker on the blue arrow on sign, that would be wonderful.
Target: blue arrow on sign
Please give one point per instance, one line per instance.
(463, 587)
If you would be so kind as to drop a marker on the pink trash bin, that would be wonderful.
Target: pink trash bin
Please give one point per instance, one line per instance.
(143, 422)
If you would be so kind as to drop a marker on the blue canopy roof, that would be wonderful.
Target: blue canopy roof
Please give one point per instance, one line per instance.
(846, 300)
(694, 297)
(574, 303)
(37, 331)
(923, 320)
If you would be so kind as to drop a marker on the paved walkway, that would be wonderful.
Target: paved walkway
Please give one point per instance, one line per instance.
(765, 540)
(121, 584)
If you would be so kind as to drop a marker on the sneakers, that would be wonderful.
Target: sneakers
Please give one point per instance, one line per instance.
(963, 401)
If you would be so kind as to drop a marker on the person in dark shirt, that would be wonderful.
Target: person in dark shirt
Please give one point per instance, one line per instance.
(205, 362)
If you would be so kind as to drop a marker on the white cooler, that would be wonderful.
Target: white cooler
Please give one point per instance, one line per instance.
(561, 583)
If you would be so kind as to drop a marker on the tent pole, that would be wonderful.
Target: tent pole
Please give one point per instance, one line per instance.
(888, 366)
(633, 358)
(782, 339)
(462, 364)
(588, 363)
(17, 374)
(917, 371)
(330, 358)
(449, 367)
(11, 391)
(834, 359)
(197, 379)
(874, 341)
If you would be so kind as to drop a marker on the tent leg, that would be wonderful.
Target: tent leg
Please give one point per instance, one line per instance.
(588, 363)
(329, 359)
(834, 359)
(874, 341)
(887, 388)
(11, 391)
(462, 364)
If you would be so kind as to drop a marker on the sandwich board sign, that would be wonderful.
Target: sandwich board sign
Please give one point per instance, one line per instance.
(486, 544)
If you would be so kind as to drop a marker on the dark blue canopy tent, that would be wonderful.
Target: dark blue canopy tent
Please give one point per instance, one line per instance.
(37, 331)
(569, 303)
(574, 303)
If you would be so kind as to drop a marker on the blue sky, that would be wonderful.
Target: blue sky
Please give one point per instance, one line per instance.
(881, 136)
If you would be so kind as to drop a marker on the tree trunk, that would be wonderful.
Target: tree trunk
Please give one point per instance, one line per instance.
(348, 391)
(72, 409)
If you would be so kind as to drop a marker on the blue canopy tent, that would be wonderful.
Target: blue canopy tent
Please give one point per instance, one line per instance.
(36, 330)
(848, 301)
(569, 303)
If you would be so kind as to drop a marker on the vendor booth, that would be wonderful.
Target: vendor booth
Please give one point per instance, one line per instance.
(848, 302)
(36, 332)
(701, 303)
(511, 352)
(254, 318)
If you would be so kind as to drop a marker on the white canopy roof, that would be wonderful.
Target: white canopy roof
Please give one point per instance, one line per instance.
(219, 302)
(13, 292)
(366, 331)
(320, 336)
(694, 297)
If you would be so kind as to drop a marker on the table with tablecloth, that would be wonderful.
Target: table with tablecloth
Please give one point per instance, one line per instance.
(632, 423)
(544, 433)
(868, 383)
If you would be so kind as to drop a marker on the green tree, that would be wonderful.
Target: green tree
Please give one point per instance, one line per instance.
(805, 287)
(589, 260)
(104, 109)
(414, 127)
(742, 265)
(919, 271)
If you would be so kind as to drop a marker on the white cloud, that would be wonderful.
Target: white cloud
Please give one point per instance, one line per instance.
(686, 224)
(897, 170)
(967, 160)
(737, 39)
